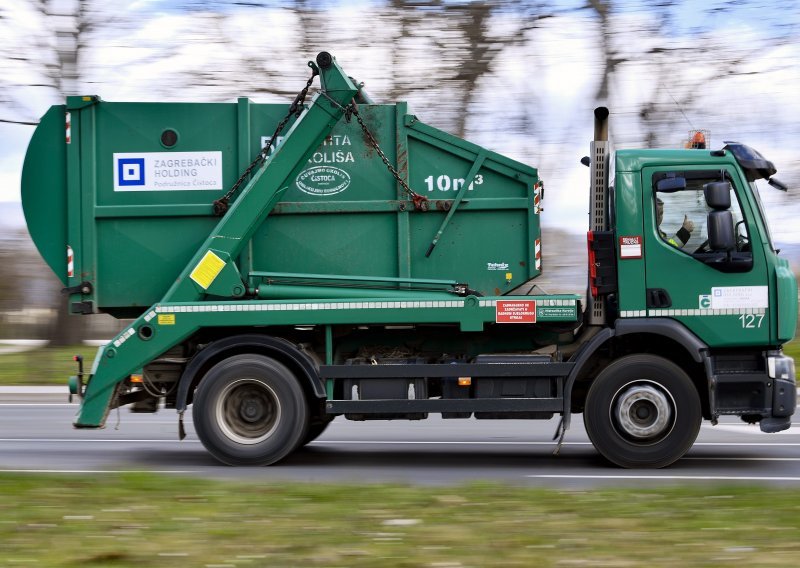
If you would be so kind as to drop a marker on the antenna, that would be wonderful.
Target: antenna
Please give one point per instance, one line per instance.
(677, 104)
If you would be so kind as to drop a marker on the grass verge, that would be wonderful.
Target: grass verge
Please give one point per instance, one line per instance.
(49, 366)
(148, 520)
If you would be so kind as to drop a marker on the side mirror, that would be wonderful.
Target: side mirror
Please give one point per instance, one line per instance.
(718, 196)
(777, 184)
(721, 236)
(671, 185)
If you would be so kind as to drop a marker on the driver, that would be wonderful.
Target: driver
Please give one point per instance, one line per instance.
(683, 235)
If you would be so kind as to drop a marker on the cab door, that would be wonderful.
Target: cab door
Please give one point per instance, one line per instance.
(720, 295)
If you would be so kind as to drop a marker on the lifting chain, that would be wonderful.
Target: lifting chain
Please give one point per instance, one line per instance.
(420, 201)
(296, 108)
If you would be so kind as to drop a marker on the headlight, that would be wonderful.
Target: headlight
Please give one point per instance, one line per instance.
(781, 367)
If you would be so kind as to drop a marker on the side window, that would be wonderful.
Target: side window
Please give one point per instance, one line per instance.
(713, 232)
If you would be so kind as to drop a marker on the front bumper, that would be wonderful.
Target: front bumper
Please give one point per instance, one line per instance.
(765, 393)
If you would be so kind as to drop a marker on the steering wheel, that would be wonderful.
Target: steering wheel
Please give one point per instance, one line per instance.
(742, 239)
(702, 248)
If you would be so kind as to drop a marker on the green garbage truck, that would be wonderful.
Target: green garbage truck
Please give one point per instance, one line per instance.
(281, 267)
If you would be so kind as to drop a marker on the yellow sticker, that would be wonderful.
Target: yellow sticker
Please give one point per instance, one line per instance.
(166, 319)
(207, 270)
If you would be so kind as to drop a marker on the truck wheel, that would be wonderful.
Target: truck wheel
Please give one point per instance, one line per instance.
(642, 411)
(250, 410)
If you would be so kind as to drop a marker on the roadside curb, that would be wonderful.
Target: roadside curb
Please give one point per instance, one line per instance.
(36, 395)
(22, 389)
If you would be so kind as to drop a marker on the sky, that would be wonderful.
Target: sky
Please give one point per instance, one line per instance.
(545, 84)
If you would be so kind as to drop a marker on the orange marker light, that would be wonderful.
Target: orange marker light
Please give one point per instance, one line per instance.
(464, 381)
(698, 139)
(137, 379)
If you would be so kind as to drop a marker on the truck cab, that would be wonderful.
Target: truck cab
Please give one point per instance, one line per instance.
(696, 267)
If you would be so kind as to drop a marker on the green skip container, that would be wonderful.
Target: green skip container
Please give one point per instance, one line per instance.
(118, 198)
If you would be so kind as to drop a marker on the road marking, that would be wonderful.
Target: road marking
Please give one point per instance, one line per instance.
(744, 444)
(94, 440)
(74, 404)
(712, 458)
(667, 477)
(389, 442)
(750, 429)
(354, 442)
(523, 443)
(447, 443)
(98, 471)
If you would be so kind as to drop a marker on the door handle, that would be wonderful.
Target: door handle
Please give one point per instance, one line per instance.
(658, 298)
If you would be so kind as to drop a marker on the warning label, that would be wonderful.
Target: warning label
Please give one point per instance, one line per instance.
(207, 269)
(630, 247)
(516, 311)
(166, 319)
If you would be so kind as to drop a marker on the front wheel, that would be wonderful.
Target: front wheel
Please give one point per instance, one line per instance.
(642, 411)
(250, 410)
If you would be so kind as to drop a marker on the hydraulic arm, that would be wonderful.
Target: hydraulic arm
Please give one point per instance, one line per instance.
(212, 270)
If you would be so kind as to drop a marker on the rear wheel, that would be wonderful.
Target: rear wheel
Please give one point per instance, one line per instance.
(642, 411)
(250, 410)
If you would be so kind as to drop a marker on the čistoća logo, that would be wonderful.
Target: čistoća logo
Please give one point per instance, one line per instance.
(323, 180)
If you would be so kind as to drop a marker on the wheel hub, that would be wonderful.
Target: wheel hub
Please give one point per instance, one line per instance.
(252, 410)
(643, 412)
(248, 411)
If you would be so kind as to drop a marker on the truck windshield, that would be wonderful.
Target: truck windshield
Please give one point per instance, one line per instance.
(763, 214)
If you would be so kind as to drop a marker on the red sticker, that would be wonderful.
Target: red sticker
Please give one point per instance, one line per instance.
(630, 247)
(515, 311)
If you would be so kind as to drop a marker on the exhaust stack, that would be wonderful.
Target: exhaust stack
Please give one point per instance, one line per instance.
(598, 198)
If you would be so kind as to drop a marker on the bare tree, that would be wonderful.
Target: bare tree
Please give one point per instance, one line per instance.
(55, 62)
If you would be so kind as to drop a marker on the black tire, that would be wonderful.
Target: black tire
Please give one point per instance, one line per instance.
(642, 411)
(250, 410)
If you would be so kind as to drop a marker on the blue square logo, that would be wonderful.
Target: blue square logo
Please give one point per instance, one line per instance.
(130, 171)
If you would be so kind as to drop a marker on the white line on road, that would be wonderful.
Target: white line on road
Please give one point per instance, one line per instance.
(713, 458)
(39, 404)
(744, 444)
(94, 440)
(750, 429)
(667, 477)
(390, 442)
(522, 443)
(396, 443)
(98, 471)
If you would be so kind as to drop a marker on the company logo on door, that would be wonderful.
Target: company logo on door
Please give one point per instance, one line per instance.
(130, 171)
(323, 180)
(167, 171)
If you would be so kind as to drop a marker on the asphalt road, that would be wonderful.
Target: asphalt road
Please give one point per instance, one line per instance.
(36, 436)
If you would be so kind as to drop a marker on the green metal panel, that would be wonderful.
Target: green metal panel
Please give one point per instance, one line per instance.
(689, 281)
(124, 284)
(44, 190)
(343, 213)
(403, 233)
(787, 301)
(347, 243)
(172, 322)
(630, 271)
